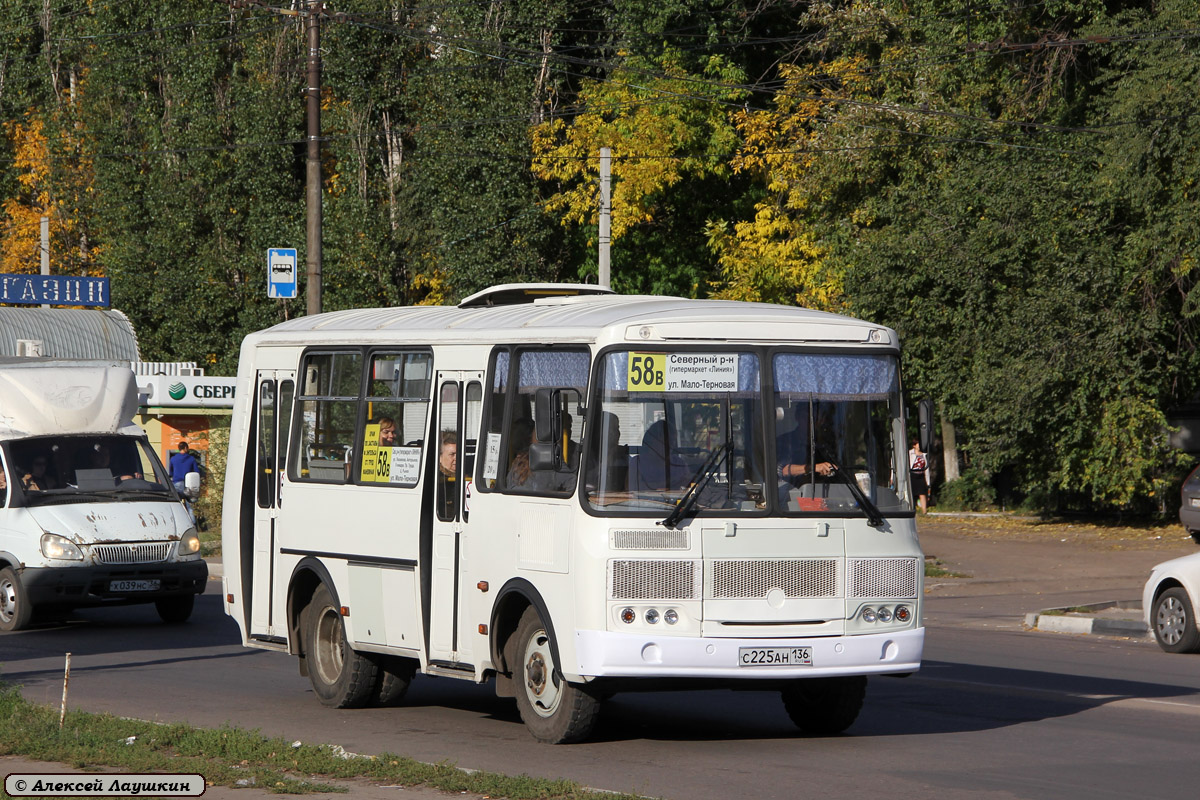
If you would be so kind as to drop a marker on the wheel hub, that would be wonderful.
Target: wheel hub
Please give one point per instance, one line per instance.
(8, 600)
(1170, 620)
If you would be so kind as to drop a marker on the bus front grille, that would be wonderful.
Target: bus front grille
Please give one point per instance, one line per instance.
(878, 578)
(139, 553)
(753, 578)
(674, 579)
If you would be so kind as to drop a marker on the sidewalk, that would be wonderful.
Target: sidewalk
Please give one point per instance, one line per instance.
(1022, 575)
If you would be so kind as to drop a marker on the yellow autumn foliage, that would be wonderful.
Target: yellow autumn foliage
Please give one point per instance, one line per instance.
(775, 257)
(44, 192)
(662, 125)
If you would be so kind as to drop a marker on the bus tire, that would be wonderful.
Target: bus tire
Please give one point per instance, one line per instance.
(174, 610)
(395, 676)
(15, 609)
(554, 710)
(825, 706)
(341, 676)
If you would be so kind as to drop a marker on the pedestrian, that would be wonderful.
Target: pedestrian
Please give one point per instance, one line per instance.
(918, 467)
(181, 464)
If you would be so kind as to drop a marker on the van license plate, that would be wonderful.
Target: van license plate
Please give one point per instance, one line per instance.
(774, 656)
(134, 586)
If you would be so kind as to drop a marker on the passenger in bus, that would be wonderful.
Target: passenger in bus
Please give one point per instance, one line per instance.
(792, 450)
(387, 432)
(447, 495)
(520, 436)
(659, 466)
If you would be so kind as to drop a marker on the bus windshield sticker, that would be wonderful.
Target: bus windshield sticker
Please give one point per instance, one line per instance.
(372, 464)
(406, 464)
(491, 458)
(682, 372)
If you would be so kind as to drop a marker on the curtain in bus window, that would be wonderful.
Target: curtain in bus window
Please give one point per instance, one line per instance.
(836, 377)
(553, 368)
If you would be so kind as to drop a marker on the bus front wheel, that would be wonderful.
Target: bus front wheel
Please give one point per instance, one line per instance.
(341, 676)
(825, 706)
(554, 710)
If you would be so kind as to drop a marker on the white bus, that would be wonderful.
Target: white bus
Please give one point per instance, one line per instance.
(575, 493)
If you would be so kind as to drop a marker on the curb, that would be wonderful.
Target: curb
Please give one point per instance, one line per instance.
(1082, 620)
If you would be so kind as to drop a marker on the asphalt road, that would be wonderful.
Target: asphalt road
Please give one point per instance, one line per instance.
(996, 711)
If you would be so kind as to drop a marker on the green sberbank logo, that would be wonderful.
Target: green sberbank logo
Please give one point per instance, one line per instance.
(177, 391)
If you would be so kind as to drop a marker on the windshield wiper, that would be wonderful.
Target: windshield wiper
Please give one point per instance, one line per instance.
(698, 482)
(874, 516)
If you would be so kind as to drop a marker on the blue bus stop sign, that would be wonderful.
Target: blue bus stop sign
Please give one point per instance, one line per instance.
(281, 272)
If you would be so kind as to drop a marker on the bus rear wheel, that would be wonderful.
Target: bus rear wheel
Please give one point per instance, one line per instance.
(554, 710)
(341, 676)
(825, 706)
(395, 676)
(15, 610)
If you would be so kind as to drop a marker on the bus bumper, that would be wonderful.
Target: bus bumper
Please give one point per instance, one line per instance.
(605, 654)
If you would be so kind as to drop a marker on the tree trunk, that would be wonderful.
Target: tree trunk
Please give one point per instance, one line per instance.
(949, 448)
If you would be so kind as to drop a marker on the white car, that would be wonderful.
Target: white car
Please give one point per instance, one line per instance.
(1169, 600)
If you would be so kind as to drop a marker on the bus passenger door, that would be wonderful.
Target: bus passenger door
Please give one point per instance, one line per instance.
(275, 391)
(460, 403)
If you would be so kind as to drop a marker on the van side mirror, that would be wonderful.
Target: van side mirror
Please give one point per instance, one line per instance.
(925, 417)
(191, 483)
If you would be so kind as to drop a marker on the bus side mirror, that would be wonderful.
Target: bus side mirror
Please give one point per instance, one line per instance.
(544, 413)
(925, 416)
(191, 483)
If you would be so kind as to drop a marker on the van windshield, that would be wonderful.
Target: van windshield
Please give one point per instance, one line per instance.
(62, 466)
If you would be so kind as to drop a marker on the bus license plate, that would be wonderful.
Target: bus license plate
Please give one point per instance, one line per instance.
(134, 586)
(775, 656)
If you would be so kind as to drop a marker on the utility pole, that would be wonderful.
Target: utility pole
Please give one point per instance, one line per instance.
(45, 250)
(313, 228)
(605, 214)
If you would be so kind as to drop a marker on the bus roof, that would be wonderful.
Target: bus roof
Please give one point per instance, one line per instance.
(544, 316)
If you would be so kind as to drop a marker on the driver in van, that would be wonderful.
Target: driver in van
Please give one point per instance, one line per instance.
(38, 479)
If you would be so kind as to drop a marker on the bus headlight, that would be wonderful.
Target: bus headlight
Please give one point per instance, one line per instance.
(903, 614)
(868, 614)
(652, 616)
(189, 543)
(670, 616)
(60, 547)
(627, 616)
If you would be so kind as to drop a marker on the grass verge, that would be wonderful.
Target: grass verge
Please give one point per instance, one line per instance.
(936, 569)
(235, 757)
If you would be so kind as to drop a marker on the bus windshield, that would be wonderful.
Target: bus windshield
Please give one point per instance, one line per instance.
(692, 424)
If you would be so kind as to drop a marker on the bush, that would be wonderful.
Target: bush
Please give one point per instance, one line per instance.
(972, 492)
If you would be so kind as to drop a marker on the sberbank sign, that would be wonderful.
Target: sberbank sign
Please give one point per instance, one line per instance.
(190, 391)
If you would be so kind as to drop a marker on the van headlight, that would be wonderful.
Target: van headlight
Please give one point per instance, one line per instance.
(60, 547)
(189, 544)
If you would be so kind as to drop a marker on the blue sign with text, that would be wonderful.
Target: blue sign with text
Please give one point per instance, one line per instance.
(54, 290)
(281, 272)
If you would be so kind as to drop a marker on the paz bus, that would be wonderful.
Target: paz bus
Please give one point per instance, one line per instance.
(573, 493)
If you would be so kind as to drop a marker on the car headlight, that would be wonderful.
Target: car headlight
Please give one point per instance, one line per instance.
(60, 547)
(189, 543)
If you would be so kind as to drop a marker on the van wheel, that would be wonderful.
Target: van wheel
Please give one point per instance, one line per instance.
(174, 610)
(15, 610)
(554, 711)
(395, 676)
(825, 706)
(341, 676)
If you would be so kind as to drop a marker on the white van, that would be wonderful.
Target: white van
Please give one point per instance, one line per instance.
(88, 515)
